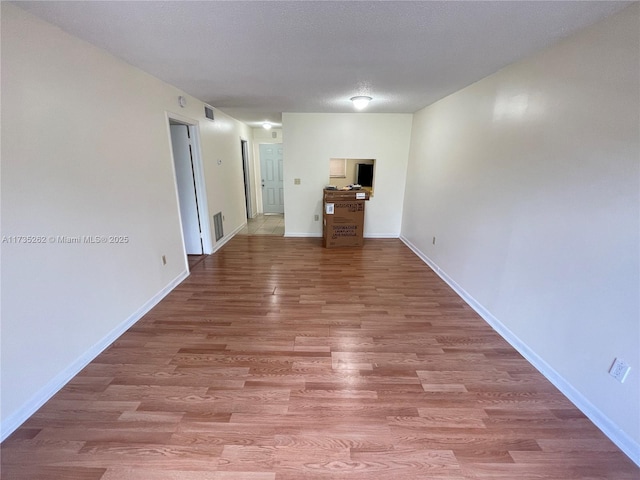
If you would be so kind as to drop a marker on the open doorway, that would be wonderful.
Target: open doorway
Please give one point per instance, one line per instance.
(247, 177)
(271, 220)
(190, 190)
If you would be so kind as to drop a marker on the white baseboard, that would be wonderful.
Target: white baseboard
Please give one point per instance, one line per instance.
(319, 235)
(13, 421)
(303, 235)
(381, 235)
(219, 244)
(627, 444)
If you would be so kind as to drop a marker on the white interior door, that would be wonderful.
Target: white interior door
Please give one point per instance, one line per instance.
(183, 160)
(271, 168)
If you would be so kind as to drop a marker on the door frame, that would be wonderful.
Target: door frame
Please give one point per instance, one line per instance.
(246, 170)
(198, 177)
(257, 169)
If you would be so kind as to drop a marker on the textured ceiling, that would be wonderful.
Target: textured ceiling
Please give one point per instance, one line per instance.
(255, 59)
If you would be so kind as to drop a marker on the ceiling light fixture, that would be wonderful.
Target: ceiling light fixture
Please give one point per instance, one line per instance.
(361, 101)
(266, 126)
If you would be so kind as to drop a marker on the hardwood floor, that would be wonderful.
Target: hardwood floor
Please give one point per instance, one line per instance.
(280, 360)
(194, 260)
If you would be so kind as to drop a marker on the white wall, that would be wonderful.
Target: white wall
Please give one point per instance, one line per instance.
(86, 151)
(529, 180)
(260, 135)
(222, 154)
(311, 139)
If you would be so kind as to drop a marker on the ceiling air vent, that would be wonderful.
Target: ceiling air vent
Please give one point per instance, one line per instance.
(208, 112)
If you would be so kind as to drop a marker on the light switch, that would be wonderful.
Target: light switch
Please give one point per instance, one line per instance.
(296, 181)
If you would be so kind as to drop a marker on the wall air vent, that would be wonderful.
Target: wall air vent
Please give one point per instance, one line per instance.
(217, 226)
(208, 112)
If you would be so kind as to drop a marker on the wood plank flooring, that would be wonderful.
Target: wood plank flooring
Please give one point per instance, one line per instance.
(280, 360)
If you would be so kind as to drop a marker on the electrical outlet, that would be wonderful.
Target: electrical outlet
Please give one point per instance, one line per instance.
(296, 181)
(619, 370)
(433, 241)
(316, 217)
(164, 259)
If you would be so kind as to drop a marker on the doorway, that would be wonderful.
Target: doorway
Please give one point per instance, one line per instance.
(271, 167)
(190, 189)
(247, 177)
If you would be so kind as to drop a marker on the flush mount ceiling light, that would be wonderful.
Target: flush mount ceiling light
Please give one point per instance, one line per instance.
(266, 126)
(360, 101)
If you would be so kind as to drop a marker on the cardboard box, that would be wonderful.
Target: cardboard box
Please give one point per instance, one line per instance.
(338, 195)
(343, 218)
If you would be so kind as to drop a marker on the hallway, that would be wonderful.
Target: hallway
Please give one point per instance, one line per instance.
(272, 224)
